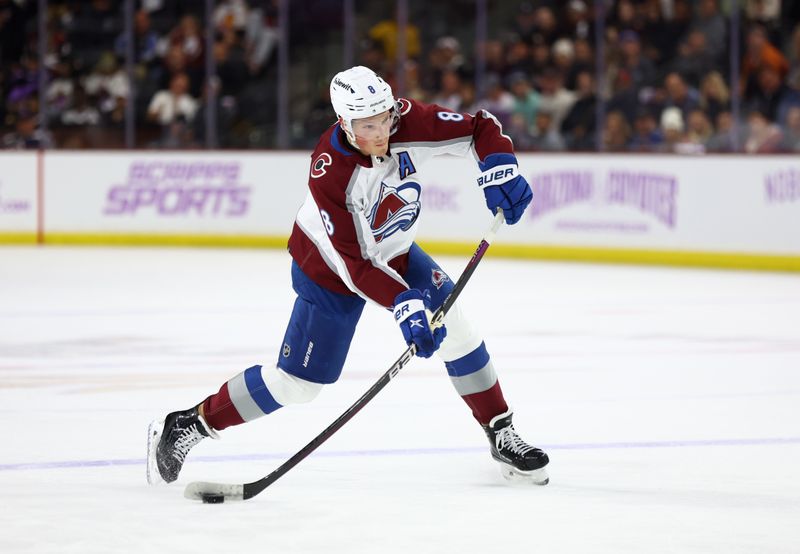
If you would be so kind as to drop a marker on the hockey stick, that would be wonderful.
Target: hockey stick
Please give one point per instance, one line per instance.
(214, 493)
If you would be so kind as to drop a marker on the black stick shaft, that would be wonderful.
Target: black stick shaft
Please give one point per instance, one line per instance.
(252, 489)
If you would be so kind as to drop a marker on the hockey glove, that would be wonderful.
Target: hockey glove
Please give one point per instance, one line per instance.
(504, 187)
(409, 313)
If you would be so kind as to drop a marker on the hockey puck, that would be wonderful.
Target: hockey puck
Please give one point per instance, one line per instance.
(213, 499)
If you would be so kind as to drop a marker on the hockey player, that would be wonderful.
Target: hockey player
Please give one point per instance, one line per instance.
(353, 243)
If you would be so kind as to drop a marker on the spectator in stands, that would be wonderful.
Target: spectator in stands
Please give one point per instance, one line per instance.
(449, 95)
(793, 56)
(699, 129)
(765, 12)
(92, 28)
(260, 37)
(541, 56)
(413, 84)
(583, 61)
(680, 94)
(714, 95)
(185, 53)
(625, 17)
(633, 68)
(546, 23)
(23, 80)
(175, 63)
(661, 33)
(167, 105)
(694, 59)
(231, 64)
(545, 137)
(524, 24)
(578, 21)
(616, 132)
(763, 136)
(723, 138)
(526, 99)
(82, 111)
(518, 58)
(578, 127)
(60, 89)
(494, 56)
(497, 100)
(554, 98)
(672, 128)
(108, 82)
(386, 33)
(710, 22)
(646, 136)
(230, 15)
(444, 56)
(145, 40)
(791, 135)
(771, 96)
(760, 53)
(468, 97)
(563, 53)
(520, 133)
(26, 134)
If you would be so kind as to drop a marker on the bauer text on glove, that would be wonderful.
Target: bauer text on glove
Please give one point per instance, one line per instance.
(504, 187)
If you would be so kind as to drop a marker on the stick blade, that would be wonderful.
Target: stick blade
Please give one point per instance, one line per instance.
(198, 490)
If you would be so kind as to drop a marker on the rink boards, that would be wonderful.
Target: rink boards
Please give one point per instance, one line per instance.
(718, 211)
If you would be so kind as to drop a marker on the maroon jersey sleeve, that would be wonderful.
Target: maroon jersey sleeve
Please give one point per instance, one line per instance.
(423, 122)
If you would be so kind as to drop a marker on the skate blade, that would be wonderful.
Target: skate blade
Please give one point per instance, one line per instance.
(534, 477)
(154, 431)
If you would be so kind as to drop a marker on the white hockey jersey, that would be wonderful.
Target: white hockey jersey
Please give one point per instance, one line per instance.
(353, 232)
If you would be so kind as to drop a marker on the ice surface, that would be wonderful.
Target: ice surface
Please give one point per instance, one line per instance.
(668, 400)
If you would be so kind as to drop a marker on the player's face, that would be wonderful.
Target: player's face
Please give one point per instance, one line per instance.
(372, 133)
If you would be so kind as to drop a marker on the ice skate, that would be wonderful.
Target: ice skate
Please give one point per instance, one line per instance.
(519, 461)
(169, 440)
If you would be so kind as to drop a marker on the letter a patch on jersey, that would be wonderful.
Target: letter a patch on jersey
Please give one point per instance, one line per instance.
(406, 165)
(396, 210)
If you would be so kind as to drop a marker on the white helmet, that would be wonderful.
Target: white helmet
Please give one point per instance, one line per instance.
(359, 92)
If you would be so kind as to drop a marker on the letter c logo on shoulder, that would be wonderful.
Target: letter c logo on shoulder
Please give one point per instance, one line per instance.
(318, 165)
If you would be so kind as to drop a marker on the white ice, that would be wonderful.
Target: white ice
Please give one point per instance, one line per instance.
(668, 400)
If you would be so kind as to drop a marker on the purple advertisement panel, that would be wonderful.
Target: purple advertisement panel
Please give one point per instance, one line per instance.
(185, 193)
(18, 192)
(180, 188)
(653, 194)
(783, 186)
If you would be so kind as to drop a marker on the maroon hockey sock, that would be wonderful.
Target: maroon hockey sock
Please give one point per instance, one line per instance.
(219, 411)
(487, 404)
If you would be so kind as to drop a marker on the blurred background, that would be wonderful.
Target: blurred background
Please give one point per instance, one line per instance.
(673, 76)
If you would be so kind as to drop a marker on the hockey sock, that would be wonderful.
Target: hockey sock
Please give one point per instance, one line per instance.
(243, 398)
(475, 380)
(487, 404)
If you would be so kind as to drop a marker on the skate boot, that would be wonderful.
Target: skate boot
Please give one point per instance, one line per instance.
(170, 439)
(519, 461)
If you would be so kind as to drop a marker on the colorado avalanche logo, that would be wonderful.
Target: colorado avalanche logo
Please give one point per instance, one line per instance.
(396, 210)
(438, 277)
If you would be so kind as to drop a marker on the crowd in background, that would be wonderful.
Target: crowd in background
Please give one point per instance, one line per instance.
(667, 82)
(88, 86)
